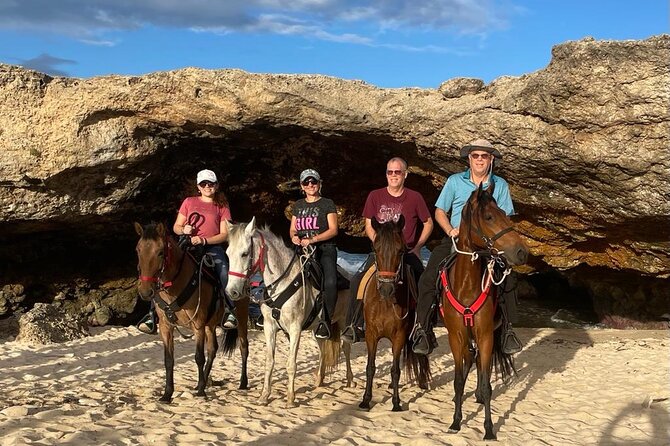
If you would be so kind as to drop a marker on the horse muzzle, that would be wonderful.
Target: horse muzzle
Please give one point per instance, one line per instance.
(517, 256)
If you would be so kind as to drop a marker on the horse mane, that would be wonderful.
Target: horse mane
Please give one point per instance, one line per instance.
(386, 231)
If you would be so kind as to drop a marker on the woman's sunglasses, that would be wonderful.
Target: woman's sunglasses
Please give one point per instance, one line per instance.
(206, 184)
(309, 181)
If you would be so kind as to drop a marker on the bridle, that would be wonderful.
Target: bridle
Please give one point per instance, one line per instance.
(167, 258)
(258, 265)
(392, 277)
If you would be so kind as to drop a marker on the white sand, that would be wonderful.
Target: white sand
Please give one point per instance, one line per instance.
(575, 387)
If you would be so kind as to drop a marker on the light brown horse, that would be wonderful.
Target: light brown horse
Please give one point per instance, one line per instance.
(389, 312)
(171, 278)
(486, 238)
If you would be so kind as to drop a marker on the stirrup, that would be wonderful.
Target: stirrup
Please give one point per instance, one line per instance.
(230, 322)
(148, 324)
(511, 343)
(352, 334)
(421, 344)
(320, 329)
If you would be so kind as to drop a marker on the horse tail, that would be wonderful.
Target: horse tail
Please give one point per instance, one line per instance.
(503, 362)
(331, 350)
(229, 342)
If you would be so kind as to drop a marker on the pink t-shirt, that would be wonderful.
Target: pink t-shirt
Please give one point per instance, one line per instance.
(212, 215)
(385, 207)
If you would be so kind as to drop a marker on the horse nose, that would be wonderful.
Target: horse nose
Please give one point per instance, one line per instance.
(234, 294)
(386, 290)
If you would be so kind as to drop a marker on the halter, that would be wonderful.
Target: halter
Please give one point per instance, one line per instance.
(167, 258)
(392, 277)
(259, 264)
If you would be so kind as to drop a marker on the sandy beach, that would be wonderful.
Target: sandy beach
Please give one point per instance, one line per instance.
(574, 387)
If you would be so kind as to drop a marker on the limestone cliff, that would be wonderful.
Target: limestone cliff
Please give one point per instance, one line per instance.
(585, 144)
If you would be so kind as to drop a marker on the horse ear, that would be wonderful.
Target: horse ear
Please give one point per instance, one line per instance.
(251, 227)
(480, 191)
(401, 222)
(375, 224)
(138, 229)
(160, 228)
(491, 188)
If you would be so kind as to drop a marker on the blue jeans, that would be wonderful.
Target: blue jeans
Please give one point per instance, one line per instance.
(220, 263)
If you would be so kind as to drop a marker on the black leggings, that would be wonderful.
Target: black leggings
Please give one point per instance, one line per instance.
(327, 257)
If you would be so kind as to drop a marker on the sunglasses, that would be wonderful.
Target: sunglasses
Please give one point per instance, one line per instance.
(484, 156)
(309, 181)
(206, 184)
(394, 172)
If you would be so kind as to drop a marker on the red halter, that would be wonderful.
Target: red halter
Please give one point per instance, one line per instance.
(164, 265)
(259, 264)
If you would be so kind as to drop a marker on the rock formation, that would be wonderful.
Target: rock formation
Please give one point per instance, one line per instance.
(585, 145)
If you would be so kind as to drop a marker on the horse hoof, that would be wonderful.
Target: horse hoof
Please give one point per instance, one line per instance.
(397, 408)
(365, 406)
(490, 436)
(291, 404)
(263, 401)
(453, 431)
(201, 394)
(165, 399)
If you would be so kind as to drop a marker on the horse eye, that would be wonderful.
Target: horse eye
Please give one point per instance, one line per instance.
(245, 254)
(488, 217)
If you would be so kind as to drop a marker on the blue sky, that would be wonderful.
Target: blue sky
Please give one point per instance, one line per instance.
(388, 43)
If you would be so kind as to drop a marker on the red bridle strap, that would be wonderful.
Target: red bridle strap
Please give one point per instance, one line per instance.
(467, 312)
(148, 279)
(259, 264)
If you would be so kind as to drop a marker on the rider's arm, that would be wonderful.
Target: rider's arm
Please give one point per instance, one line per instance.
(330, 232)
(443, 220)
(221, 237)
(369, 230)
(179, 224)
(425, 233)
(293, 232)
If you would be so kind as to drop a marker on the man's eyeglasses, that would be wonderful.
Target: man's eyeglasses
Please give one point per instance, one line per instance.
(309, 181)
(206, 184)
(394, 172)
(484, 156)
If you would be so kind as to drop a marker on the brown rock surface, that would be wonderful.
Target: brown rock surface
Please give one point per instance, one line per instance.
(585, 142)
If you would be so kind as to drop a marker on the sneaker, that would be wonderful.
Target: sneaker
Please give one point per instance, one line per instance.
(322, 330)
(148, 325)
(231, 322)
(424, 343)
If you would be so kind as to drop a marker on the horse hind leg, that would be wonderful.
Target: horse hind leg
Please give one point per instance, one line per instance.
(167, 335)
(347, 357)
(200, 361)
(212, 345)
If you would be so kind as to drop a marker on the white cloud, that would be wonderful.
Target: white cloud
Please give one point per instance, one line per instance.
(331, 20)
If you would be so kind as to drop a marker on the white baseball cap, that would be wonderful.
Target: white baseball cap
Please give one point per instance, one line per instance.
(206, 175)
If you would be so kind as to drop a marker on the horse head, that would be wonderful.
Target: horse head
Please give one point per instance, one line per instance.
(487, 227)
(152, 257)
(241, 257)
(389, 247)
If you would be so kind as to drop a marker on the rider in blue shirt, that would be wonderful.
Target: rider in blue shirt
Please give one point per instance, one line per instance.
(456, 192)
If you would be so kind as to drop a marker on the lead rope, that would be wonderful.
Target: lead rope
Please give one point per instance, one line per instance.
(474, 256)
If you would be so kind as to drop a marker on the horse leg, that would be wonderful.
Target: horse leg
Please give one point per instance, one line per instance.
(212, 345)
(243, 336)
(167, 335)
(321, 369)
(270, 331)
(484, 365)
(398, 344)
(291, 362)
(347, 356)
(200, 361)
(457, 350)
(371, 343)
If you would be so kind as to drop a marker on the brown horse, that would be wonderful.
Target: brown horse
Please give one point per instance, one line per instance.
(171, 278)
(486, 238)
(389, 312)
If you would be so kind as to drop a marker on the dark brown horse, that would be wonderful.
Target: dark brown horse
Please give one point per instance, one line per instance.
(389, 312)
(171, 278)
(486, 238)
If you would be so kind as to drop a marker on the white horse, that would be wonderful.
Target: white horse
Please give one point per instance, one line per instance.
(251, 249)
